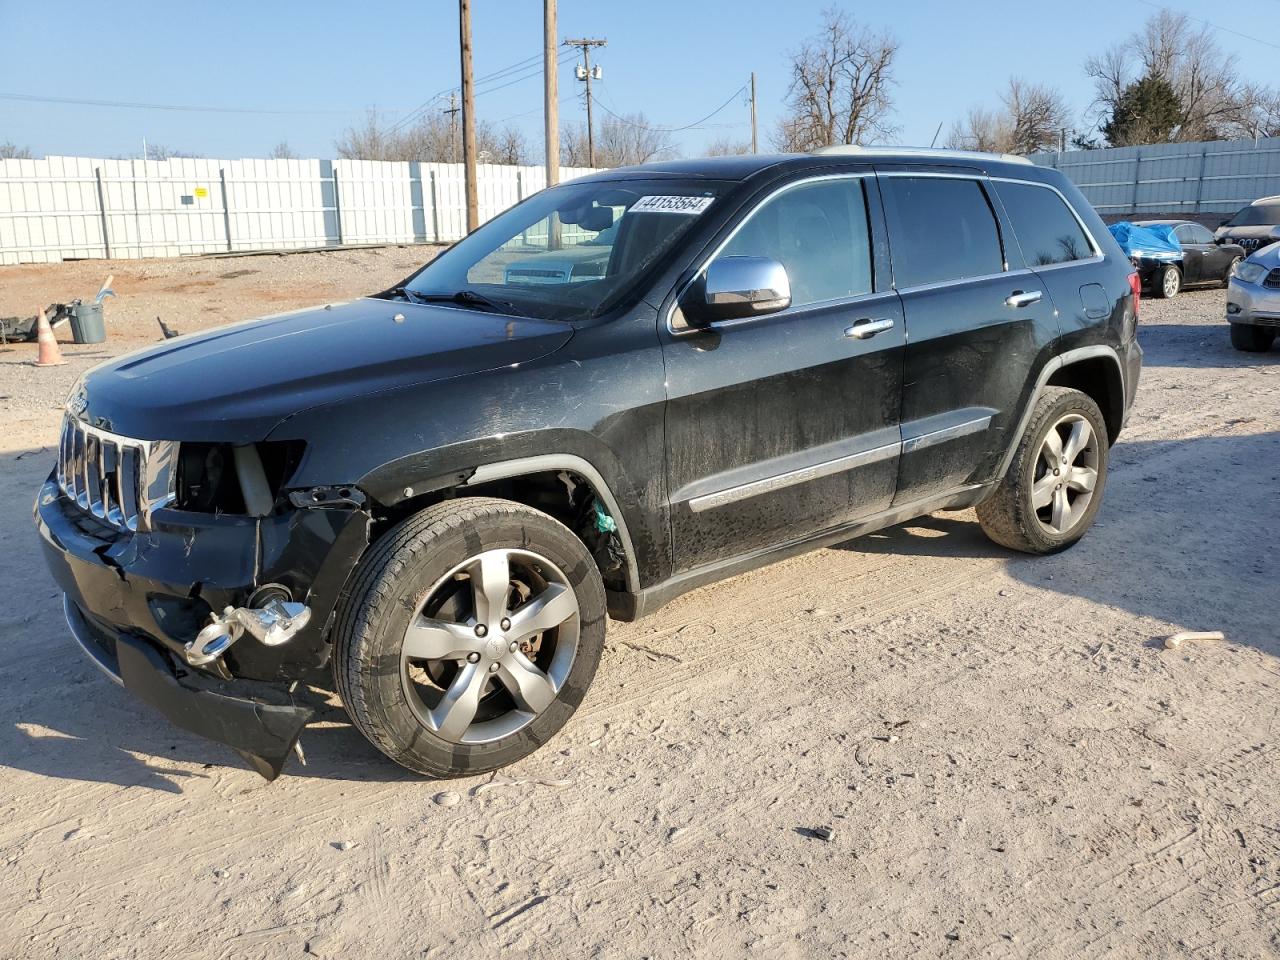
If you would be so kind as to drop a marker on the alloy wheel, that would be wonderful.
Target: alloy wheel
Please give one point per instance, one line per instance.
(490, 646)
(1172, 281)
(1066, 473)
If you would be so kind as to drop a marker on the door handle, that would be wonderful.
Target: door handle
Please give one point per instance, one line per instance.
(1022, 298)
(866, 328)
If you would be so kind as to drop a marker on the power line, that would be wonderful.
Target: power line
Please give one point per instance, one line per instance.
(537, 72)
(534, 62)
(687, 126)
(426, 104)
(538, 109)
(1209, 23)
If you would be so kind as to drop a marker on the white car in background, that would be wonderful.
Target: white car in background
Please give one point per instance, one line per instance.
(1253, 301)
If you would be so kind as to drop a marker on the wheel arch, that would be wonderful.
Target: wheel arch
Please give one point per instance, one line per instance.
(553, 464)
(546, 482)
(1095, 371)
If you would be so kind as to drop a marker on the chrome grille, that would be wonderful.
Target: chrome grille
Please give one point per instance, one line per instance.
(114, 478)
(1272, 279)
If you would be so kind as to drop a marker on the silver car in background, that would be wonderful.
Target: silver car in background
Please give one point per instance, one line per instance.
(1253, 301)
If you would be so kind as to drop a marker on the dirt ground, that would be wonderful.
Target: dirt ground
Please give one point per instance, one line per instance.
(1009, 761)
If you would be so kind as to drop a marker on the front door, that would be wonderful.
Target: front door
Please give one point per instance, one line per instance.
(782, 426)
(1203, 260)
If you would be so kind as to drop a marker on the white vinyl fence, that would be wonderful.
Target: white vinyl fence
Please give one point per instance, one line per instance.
(1219, 176)
(65, 208)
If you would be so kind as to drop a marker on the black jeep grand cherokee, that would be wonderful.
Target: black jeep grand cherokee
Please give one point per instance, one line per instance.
(428, 499)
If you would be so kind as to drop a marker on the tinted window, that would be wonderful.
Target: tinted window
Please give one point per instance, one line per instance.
(940, 229)
(1183, 233)
(1047, 230)
(818, 231)
(1256, 215)
(1197, 234)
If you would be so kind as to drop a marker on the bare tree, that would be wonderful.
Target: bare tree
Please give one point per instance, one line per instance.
(1259, 112)
(11, 151)
(727, 147)
(282, 151)
(1031, 119)
(620, 142)
(1037, 115)
(981, 129)
(158, 151)
(431, 138)
(839, 92)
(1170, 48)
(509, 146)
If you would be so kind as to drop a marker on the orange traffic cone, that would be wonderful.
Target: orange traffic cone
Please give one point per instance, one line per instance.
(50, 354)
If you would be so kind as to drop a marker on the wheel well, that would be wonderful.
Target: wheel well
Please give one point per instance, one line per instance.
(562, 494)
(1099, 378)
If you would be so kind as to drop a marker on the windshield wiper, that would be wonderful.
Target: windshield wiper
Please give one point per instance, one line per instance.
(405, 292)
(467, 298)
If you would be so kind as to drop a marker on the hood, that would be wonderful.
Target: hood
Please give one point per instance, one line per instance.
(234, 384)
(1268, 256)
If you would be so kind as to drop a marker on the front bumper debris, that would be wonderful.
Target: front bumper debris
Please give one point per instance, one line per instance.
(273, 624)
(261, 731)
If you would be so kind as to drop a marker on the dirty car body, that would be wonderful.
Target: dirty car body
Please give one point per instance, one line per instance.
(211, 488)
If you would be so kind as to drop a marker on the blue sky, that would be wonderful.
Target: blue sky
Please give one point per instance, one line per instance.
(321, 64)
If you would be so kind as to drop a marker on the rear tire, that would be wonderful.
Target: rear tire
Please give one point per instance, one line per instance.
(471, 634)
(1168, 281)
(1251, 338)
(1053, 489)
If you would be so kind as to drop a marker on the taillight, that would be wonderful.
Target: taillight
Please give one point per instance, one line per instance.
(1135, 284)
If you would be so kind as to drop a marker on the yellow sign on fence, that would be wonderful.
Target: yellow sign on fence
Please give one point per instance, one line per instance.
(201, 192)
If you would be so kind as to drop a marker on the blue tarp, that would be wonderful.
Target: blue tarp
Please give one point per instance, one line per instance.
(1155, 243)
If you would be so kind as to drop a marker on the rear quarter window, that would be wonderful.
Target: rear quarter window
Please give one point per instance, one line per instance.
(940, 229)
(1048, 232)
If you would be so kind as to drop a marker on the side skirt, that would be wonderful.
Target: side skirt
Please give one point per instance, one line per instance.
(632, 606)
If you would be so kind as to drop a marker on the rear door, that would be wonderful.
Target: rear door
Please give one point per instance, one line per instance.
(785, 425)
(975, 328)
(1050, 239)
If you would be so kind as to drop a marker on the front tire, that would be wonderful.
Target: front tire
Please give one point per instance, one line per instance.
(1053, 489)
(1168, 282)
(1251, 338)
(470, 636)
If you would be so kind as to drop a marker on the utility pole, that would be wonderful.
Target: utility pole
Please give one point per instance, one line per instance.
(551, 95)
(468, 116)
(755, 146)
(452, 111)
(584, 73)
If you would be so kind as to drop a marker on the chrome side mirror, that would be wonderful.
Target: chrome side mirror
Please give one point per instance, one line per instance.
(733, 288)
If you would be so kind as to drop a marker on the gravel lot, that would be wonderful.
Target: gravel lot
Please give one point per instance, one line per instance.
(1009, 761)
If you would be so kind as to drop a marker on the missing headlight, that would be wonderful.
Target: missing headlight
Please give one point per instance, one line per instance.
(208, 481)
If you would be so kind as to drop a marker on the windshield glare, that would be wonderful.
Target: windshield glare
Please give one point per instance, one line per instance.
(1256, 215)
(570, 251)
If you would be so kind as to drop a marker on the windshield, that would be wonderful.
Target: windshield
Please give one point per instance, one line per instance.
(567, 252)
(1256, 215)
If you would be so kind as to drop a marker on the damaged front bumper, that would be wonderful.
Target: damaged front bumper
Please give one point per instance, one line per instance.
(138, 602)
(263, 732)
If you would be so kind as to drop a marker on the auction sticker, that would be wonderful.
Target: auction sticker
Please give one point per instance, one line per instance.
(688, 205)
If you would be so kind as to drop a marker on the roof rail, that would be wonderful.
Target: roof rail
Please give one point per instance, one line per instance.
(853, 149)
